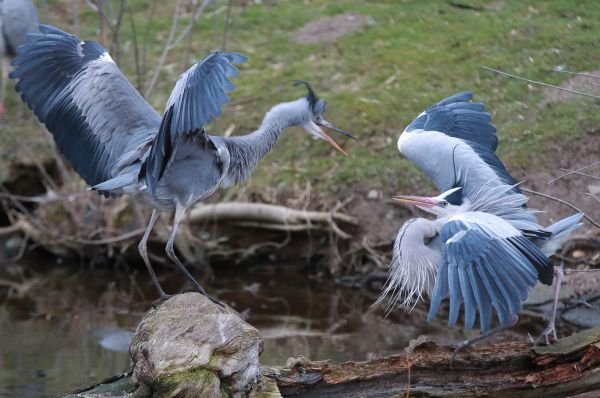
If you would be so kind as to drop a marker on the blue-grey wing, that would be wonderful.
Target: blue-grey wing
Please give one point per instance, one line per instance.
(486, 264)
(194, 102)
(201, 90)
(457, 117)
(97, 118)
(454, 142)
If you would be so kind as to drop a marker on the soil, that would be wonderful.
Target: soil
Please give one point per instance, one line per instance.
(328, 30)
(586, 84)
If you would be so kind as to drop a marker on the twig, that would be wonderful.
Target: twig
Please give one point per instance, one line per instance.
(581, 174)
(575, 73)
(541, 83)
(11, 229)
(572, 172)
(227, 22)
(564, 202)
(75, 13)
(165, 51)
(146, 34)
(172, 42)
(136, 50)
(195, 17)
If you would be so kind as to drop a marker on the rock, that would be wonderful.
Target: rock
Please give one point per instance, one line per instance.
(190, 347)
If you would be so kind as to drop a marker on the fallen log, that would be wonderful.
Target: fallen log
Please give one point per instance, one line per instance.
(425, 369)
(569, 367)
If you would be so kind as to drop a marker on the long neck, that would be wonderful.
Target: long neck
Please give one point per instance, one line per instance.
(246, 151)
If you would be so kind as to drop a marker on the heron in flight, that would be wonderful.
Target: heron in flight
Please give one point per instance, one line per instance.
(120, 145)
(17, 19)
(486, 249)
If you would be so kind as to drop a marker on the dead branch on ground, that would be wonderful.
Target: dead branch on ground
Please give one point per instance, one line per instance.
(262, 215)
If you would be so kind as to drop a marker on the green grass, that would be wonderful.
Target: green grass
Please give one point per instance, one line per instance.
(433, 49)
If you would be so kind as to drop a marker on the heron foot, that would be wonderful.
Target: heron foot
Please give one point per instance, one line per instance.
(163, 297)
(548, 334)
(457, 348)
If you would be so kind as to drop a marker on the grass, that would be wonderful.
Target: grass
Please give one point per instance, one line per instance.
(409, 55)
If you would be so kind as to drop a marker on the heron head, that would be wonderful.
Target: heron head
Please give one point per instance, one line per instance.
(315, 120)
(440, 205)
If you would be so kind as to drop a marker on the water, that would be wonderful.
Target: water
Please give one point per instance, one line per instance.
(70, 328)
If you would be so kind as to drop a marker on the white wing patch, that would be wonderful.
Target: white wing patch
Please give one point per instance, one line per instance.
(105, 57)
(491, 224)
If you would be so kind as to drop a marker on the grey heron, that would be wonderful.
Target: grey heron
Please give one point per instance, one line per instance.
(17, 19)
(120, 145)
(486, 248)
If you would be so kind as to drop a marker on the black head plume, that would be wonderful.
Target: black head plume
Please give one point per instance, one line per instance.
(311, 97)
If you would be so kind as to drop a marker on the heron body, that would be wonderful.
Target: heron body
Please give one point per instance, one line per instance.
(120, 145)
(17, 19)
(485, 249)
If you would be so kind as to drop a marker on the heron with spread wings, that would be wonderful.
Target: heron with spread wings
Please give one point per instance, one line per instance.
(120, 145)
(486, 249)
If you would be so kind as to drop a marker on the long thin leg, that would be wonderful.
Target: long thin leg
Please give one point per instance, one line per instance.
(551, 327)
(179, 214)
(142, 247)
(467, 343)
(4, 79)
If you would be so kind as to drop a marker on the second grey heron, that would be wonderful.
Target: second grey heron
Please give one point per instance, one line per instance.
(473, 257)
(120, 145)
(454, 142)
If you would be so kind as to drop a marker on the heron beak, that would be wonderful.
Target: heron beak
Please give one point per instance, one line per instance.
(314, 129)
(422, 201)
(326, 124)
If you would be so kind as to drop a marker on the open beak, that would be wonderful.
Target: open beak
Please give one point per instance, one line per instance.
(422, 201)
(327, 138)
(326, 124)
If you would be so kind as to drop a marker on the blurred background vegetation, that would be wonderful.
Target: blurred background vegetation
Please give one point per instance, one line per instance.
(396, 58)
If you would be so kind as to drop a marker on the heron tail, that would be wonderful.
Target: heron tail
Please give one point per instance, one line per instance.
(559, 233)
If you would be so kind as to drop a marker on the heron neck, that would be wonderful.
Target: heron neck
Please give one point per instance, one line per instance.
(247, 150)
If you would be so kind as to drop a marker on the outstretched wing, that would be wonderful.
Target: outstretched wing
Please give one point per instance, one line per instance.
(486, 264)
(194, 102)
(454, 142)
(96, 116)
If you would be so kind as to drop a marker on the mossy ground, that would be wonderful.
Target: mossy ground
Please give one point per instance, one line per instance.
(409, 55)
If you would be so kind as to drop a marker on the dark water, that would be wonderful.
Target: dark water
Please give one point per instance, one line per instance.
(69, 329)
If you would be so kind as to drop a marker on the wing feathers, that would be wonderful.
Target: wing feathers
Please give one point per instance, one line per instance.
(75, 89)
(484, 269)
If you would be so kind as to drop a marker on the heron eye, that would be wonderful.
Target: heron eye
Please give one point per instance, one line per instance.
(444, 203)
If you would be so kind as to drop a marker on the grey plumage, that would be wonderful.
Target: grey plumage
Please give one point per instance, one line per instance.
(17, 19)
(119, 144)
(486, 249)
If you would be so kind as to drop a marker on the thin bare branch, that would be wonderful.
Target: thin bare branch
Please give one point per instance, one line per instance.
(541, 83)
(581, 174)
(227, 25)
(136, 51)
(564, 202)
(189, 27)
(575, 73)
(572, 172)
(165, 51)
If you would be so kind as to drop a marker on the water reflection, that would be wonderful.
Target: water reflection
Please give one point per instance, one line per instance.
(73, 328)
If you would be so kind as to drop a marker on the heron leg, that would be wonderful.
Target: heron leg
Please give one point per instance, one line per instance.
(514, 318)
(551, 327)
(179, 214)
(4, 79)
(143, 249)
